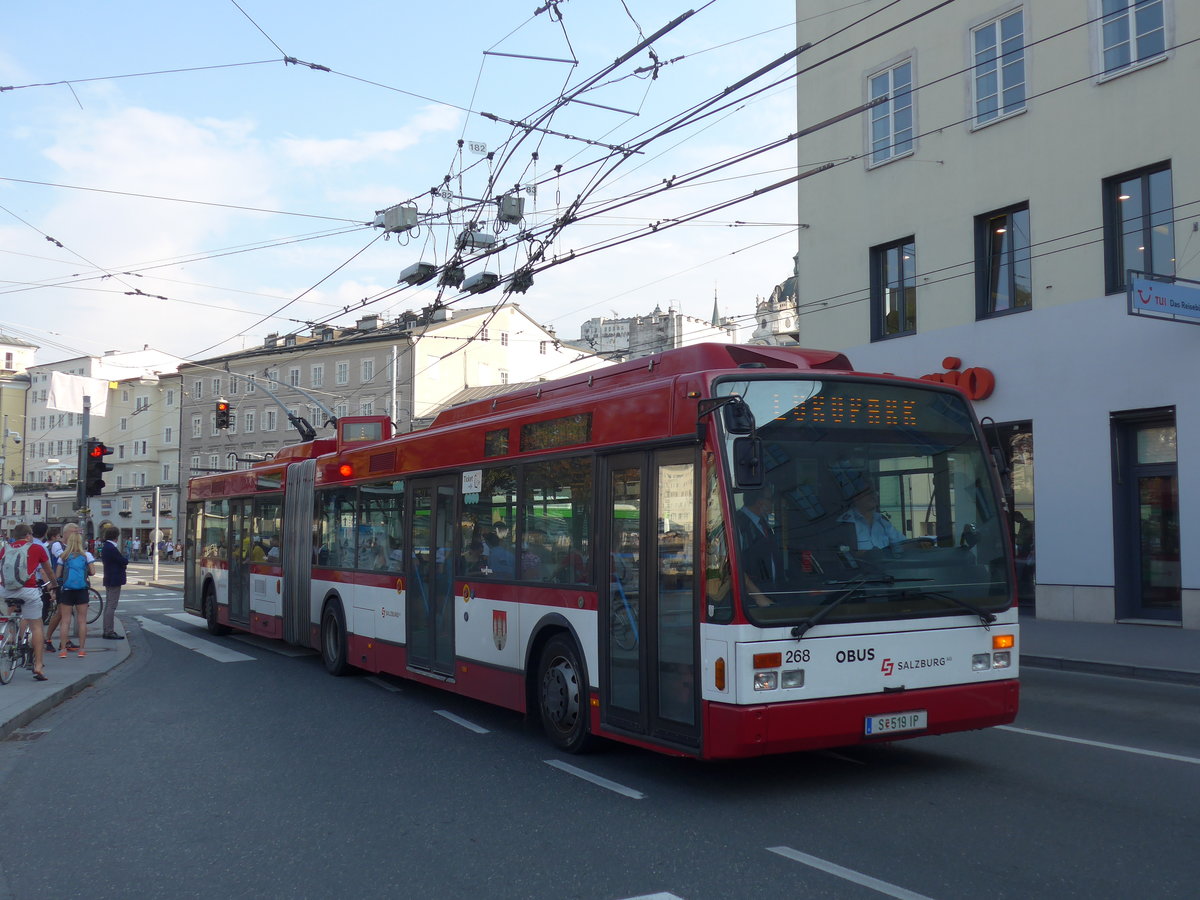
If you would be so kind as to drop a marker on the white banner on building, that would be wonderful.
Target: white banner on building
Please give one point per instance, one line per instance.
(67, 393)
(1176, 301)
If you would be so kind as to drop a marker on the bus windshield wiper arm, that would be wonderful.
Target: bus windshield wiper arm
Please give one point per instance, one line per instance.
(985, 618)
(854, 585)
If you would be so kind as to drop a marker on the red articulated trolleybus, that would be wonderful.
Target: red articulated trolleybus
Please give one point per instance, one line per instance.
(718, 551)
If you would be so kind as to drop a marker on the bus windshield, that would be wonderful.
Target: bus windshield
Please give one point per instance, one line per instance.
(877, 503)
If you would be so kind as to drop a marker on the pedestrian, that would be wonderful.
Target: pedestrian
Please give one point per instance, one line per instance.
(20, 563)
(73, 570)
(137, 548)
(38, 531)
(69, 529)
(114, 563)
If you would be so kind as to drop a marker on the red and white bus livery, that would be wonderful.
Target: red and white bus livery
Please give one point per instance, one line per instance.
(718, 551)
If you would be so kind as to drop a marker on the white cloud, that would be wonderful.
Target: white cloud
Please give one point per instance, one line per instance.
(370, 145)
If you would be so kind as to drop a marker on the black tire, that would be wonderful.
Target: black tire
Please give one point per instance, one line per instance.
(8, 650)
(333, 640)
(95, 605)
(210, 613)
(563, 696)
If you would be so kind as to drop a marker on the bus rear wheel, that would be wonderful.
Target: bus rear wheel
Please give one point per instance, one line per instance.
(333, 640)
(562, 696)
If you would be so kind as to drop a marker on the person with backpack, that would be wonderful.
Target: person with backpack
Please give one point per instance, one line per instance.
(57, 549)
(73, 571)
(20, 563)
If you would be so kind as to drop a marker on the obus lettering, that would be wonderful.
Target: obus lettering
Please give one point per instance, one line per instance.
(861, 655)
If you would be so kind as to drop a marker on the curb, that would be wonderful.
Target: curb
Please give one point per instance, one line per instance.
(47, 703)
(1119, 670)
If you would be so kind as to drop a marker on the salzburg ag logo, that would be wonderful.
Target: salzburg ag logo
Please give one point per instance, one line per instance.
(889, 666)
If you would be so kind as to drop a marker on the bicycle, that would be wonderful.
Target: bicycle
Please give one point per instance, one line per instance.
(16, 646)
(50, 603)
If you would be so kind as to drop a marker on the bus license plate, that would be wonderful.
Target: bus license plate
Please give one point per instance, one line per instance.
(893, 722)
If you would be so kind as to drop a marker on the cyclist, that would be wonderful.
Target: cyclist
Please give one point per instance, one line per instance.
(73, 570)
(20, 563)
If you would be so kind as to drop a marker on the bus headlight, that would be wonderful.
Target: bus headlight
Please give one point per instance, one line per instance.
(1002, 660)
(792, 678)
(766, 681)
(981, 661)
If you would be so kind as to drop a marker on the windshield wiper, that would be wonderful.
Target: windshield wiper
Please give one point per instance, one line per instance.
(985, 618)
(854, 588)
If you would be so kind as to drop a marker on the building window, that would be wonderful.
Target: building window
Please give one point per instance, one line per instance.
(124, 424)
(504, 339)
(366, 408)
(542, 348)
(168, 435)
(1139, 231)
(197, 389)
(268, 420)
(318, 376)
(216, 386)
(166, 476)
(195, 463)
(294, 377)
(483, 334)
(171, 397)
(248, 421)
(999, 82)
(368, 370)
(251, 383)
(212, 424)
(894, 289)
(503, 377)
(1131, 32)
(232, 421)
(892, 120)
(214, 462)
(1003, 274)
(197, 425)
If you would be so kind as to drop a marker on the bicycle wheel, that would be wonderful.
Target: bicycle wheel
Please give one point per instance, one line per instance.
(8, 650)
(95, 605)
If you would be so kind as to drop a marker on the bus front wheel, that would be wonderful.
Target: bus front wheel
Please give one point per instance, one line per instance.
(562, 696)
(210, 613)
(333, 640)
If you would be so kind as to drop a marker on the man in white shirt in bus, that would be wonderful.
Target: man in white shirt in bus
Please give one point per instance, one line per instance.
(872, 529)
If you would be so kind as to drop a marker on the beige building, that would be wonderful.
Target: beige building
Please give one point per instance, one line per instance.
(408, 369)
(1009, 177)
(17, 356)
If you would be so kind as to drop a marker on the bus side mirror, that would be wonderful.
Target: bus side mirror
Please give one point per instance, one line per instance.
(747, 463)
(738, 417)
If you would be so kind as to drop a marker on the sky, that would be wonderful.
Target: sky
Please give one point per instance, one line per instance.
(195, 212)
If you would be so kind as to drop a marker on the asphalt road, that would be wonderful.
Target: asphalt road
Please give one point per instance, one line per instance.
(249, 773)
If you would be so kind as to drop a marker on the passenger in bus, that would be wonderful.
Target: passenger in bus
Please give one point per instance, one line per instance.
(873, 530)
(473, 561)
(535, 555)
(500, 557)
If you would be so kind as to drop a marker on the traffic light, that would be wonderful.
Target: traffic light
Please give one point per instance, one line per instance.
(222, 414)
(93, 478)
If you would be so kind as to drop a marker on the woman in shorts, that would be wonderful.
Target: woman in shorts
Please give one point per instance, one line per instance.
(74, 567)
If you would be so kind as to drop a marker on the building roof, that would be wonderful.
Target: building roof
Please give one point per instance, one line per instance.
(8, 340)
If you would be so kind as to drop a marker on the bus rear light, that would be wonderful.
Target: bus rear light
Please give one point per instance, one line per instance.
(766, 681)
(345, 470)
(768, 660)
(1002, 641)
(719, 674)
(792, 678)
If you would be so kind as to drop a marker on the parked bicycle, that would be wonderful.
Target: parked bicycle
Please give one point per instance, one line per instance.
(50, 604)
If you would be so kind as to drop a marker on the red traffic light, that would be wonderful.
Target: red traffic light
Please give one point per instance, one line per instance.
(98, 451)
(222, 407)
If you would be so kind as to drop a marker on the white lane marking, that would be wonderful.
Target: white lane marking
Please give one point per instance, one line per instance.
(459, 720)
(596, 779)
(253, 640)
(1175, 757)
(191, 642)
(379, 682)
(160, 609)
(188, 617)
(874, 884)
(661, 895)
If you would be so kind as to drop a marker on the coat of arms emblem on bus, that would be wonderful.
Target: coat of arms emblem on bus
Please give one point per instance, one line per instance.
(500, 628)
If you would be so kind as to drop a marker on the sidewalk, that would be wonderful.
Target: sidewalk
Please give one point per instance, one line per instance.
(1156, 652)
(22, 700)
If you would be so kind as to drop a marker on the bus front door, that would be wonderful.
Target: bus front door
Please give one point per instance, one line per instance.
(648, 637)
(240, 513)
(429, 591)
